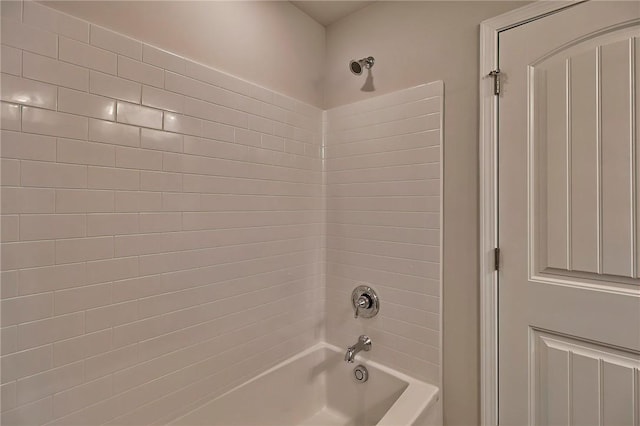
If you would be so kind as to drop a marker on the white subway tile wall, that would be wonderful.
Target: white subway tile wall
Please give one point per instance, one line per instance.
(383, 203)
(162, 226)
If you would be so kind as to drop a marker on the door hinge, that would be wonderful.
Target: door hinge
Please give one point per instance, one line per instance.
(496, 258)
(496, 81)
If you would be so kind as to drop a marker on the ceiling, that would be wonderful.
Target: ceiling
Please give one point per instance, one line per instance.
(327, 12)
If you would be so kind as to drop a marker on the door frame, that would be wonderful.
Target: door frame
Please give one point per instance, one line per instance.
(488, 151)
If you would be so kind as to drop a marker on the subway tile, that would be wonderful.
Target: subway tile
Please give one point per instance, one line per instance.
(113, 133)
(163, 59)
(41, 16)
(27, 200)
(34, 413)
(80, 347)
(87, 56)
(50, 330)
(25, 146)
(40, 121)
(178, 201)
(80, 103)
(247, 137)
(29, 38)
(137, 201)
(11, 10)
(49, 382)
(26, 308)
(113, 178)
(162, 141)
(9, 287)
(182, 124)
(140, 72)
(195, 89)
(272, 142)
(83, 201)
(134, 158)
(28, 92)
(81, 396)
(160, 222)
(27, 254)
(109, 40)
(294, 147)
(50, 278)
(8, 396)
(247, 104)
(129, 290)
(102, 271)
(273, 112)
(122, 183)
(10, 60)
(83, 152)
(217, 131)
(105, 317)
(159, 181)
(283, 101)
(162, 99)
(35, 173)
(209, 111)
(41, 68)
(139, 116)
(10, 172)
(258, 92)
(109, 362)
(114, 87)
(10, 228)
(112, 224)
(217, 78)
(8, 340)
(213, 148)
(10, 116)
(26, 363)
(81, 298)
(47, 227)
(260, 124)
(74, 250)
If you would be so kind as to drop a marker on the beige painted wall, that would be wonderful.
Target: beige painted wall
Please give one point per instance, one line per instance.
(413, 43)
(273, 44)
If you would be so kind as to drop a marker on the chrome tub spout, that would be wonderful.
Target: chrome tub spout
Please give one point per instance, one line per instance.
(363, 344)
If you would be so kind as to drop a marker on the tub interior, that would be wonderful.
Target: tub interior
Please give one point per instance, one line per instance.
(315, 389)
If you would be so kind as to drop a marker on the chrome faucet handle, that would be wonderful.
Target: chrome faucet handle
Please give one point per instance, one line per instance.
(363, 302)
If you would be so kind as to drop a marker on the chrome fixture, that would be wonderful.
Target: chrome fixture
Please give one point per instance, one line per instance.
(363, 344)
(356, 67)
(365, 302)
(361, 374)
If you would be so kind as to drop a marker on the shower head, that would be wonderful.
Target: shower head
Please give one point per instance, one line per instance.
(356, 67)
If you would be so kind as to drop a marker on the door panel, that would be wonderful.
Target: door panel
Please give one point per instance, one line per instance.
(569, 194)
(582, 383)
(583, 146)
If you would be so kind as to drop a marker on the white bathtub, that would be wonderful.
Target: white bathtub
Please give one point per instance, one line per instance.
(316, 387)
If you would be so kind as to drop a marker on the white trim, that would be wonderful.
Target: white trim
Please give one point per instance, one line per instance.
(489, 31)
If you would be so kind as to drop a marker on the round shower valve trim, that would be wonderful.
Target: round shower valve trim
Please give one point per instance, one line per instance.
(365, 302)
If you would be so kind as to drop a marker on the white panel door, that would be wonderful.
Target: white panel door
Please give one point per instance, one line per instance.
(569, 218)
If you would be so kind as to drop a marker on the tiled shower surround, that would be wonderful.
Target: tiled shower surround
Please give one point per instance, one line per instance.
(165, 230)
(383, 181)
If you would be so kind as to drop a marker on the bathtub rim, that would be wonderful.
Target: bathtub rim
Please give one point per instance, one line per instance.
(417, 398)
